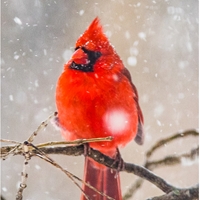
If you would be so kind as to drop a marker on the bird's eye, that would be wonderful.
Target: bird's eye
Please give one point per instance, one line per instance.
(97, 54)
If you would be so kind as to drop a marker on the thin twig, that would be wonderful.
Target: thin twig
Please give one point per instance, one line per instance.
(42, 126)
(160, 143)
(6, 151)
(24, 174)
(101, 158)
(133, 188)
(98, 157)
(76, 142)
(9, 141)
(70, 175)
(169, 160)
(172, 160)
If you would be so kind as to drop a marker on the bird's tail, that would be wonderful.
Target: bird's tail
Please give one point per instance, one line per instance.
(104, 179)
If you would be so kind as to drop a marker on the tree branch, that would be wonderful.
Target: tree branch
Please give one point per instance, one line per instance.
(181, 194)
(171, 192)
(172, 160)
(172, 138)
(105, 160)
(169, 160)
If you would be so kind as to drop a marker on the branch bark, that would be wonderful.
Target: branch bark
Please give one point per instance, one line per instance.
(171, 192)
(181, 194)
(128, 167)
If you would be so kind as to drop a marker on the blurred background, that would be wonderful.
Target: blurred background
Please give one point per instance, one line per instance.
(157, 41)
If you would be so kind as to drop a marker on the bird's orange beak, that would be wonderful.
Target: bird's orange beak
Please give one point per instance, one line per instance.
(80, 57)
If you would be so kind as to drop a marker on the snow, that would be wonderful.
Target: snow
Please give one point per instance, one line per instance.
(142, 35)
(67, 54)
(37, 167)
(116, 120)
(189, 46)
(158, 44)
(145, 98)
(182, 64)
(159, 123)
(134, 51)
(96, 75)
(136, 43)
(189, 162)
(81, 12)
(4, 189)
(17, 21)
(115, 77)
(177, 17)
(158, 110)
(174, 10)
(16, 57)
(108, 33)
(36, 83)
(132, 60)
(127, 35)
(138, 4)
(45, 52)
(11, 97)
(27, 24)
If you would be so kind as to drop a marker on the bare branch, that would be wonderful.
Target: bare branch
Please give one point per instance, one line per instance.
(76, 142)
(172, 160)
(160, 143)
(44, 156)
(42, 126)
(133, 188)
(171, 191)
(109, 162)
(181, 194)
(167, 161)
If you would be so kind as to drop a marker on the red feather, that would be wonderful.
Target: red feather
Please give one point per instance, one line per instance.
(95, 97)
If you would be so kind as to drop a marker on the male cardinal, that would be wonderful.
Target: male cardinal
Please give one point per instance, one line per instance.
(95, 97)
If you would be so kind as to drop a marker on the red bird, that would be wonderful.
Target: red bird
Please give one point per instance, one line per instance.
(95, 97)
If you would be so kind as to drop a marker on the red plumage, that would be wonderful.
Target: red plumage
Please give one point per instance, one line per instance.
(95, 97)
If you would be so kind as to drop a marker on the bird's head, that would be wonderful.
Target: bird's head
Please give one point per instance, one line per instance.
(91, 46)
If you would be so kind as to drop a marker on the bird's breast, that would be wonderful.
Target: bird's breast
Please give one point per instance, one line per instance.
(92, 105)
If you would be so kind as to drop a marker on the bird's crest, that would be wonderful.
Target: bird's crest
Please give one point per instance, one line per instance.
(93, 38)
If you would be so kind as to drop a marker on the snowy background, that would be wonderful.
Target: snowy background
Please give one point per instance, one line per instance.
(158, 42)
